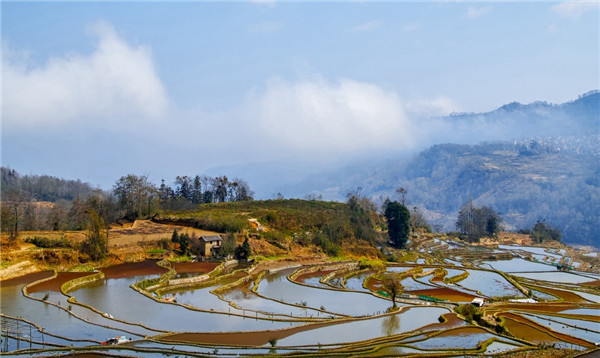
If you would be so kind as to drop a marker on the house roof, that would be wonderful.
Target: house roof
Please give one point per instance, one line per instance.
(211, 238)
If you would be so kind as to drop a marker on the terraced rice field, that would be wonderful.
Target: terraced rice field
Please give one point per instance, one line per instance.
(331, 308)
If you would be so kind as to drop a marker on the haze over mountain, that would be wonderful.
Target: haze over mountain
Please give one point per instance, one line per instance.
(542, 164)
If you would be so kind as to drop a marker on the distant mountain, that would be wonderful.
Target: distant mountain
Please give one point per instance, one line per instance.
(555, 179)
(540, 119)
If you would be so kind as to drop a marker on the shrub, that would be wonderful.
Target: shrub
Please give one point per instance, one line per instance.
(47, 243)
(328, 247)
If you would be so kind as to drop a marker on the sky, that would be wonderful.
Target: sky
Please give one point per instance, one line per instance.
(98, 90)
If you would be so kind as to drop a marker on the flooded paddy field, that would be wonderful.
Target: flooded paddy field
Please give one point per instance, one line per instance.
(200, 309)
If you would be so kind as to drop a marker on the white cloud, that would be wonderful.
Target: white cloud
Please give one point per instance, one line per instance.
(552, 29)
(269, 3)
(116, 80)
(474, 13)
(412, 26)
(425, 108)
(265, 27)
(574, 9)
(317, 116)
(367, 26)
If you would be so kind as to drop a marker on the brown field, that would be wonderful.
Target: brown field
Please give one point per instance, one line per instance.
(147, 232)
(126, 243)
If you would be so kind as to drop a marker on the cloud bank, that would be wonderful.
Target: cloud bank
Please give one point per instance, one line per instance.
(574, 9)
(115, 80)
(116, 92)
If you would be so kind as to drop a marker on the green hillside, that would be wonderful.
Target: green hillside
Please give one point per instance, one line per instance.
(326, 224)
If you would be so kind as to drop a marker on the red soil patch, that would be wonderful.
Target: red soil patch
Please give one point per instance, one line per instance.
(59, 280)
(445, 294)
(133, 269)
(195, 267)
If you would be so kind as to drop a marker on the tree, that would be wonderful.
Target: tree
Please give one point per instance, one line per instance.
(418, 221)
(165, 193)
(392, 286)
(398, 221)
(183, 240)
(465, 222)
(96, 244)
(184, 243)
(227, 247)
(474, 223)
(402, 191)
(220, 189)
(13, 205)
(242, 190)
(184, 187)
(544, 232)
(136, 196)
(197, 190)
(77, 216)
(242, 252)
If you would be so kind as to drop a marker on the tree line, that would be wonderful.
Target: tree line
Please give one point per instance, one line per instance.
(25, 208)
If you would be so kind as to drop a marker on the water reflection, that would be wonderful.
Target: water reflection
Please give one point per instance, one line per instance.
(390, 325)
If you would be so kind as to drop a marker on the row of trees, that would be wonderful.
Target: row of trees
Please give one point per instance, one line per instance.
(542, 232)
(138, 197)
(133, 197)
(204, 189)
(22, 213)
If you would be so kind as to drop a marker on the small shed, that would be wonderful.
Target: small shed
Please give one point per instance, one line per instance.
(478, 301)
(210, 243)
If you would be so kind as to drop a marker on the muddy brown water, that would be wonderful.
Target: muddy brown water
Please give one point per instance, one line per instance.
(57, 282)
(144, 268)
(445, 294)
(32, 277)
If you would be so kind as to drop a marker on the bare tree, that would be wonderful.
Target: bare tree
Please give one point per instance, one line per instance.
(14, 203)
(136, 195)
(392, 286)
(402, 191)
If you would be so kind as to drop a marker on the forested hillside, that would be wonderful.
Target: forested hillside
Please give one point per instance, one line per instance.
(43, 187)
(555, 179)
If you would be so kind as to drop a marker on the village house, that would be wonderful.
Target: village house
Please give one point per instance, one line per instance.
(209, 244)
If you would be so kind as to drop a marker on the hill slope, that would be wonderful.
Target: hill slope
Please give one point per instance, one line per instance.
(552, 179)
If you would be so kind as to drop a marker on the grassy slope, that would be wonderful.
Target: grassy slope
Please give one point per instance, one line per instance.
(288, 221)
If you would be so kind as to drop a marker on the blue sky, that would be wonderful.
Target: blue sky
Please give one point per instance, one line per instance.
(98, 90)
